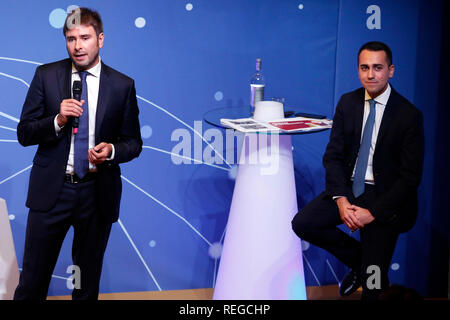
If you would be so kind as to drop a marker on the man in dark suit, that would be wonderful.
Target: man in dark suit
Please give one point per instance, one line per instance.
(75, 179)
(373, 165)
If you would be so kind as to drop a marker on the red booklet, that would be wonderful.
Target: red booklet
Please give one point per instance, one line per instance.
(295, 125)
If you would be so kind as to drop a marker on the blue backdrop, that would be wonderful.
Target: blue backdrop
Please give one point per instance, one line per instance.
(190, 56)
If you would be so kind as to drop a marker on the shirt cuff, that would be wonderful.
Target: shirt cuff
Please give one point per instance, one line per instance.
(113, 152)
(57, 127)
(336, 197)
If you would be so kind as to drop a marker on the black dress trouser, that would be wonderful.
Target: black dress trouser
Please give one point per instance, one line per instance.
(317, 223)
(76, 207)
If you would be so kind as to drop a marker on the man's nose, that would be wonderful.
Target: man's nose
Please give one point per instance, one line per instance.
(371, 73)
(78, 45)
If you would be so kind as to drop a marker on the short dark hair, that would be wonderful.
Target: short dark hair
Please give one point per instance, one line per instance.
(377, 46)
(84, 16)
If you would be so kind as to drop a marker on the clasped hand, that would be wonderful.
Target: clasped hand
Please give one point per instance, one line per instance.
(354, 217)
(73, 108)
(100, 153)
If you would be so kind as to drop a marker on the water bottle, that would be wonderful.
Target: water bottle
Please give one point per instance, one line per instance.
(257, 84)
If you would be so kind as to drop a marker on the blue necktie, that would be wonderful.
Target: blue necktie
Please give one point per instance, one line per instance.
(81, 143)
(363, 155)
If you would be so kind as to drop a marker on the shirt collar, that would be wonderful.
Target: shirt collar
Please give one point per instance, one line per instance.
(95, 70)
(382, 98)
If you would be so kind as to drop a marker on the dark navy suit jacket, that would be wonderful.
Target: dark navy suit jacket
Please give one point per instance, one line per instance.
(397, 160)
(116, 122)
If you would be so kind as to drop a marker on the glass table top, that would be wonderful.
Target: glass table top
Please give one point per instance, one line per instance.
(213, 117)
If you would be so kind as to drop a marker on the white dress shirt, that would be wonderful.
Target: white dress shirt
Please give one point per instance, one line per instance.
(93, 84)
(380, 105)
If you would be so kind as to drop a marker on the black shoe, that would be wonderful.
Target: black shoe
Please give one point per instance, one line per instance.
(350, 283)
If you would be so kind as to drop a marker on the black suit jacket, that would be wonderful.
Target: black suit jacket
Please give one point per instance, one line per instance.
(397, 160)
(116, 122)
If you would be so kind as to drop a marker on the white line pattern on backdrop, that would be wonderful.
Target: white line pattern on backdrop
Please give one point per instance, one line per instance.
(215, 260)
(54, 276)
(184, 157)
(166, 207)
(15, 78)
(20, 60)
(311, 269)
(8, 128)
(7, 116)
(139, 254)
(15, 174)
(184, 123)
(332, 271)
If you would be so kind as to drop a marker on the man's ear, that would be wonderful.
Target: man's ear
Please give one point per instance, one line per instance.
(391, 71)
(101, 38)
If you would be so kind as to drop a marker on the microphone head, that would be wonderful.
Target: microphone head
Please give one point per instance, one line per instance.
(76, 90)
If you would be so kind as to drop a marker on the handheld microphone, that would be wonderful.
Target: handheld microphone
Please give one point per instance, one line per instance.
(76, 91)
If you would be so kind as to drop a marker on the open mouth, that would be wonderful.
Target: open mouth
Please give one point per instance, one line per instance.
(79, 56)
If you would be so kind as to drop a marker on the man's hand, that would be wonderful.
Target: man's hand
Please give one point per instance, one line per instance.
(100, 153)
(347, 213)
(69, 108)
(363, 215)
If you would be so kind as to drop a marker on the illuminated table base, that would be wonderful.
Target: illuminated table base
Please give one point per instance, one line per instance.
(262, 257)
(9, 271)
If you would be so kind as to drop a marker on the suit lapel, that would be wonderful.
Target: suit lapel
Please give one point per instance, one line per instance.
(102, 102)
(388, 114)
(64, 75)
(359, 116)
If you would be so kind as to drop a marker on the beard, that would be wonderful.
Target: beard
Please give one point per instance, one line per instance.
(89, 63)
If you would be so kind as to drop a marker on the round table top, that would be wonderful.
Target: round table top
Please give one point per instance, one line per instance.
(213, 118)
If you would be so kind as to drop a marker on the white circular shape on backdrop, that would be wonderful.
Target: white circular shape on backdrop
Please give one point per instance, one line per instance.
(140, 22)
(305, 245)
(232, 173)
(189, 7)
(146, 131)
(57, 18)
(218, 96)
(215, 250)
(395, 266)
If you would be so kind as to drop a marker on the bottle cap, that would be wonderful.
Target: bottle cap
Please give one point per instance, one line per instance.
(258, 64)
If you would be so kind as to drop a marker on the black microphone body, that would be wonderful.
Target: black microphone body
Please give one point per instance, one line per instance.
(76, 92)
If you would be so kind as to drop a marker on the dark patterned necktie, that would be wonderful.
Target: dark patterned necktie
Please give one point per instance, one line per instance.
(81, 143)
(363, 155)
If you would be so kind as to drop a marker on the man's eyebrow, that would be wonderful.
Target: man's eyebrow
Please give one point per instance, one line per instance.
(81, 35)
(373, 65)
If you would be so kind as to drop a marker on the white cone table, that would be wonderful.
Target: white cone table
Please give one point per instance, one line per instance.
(9, 271)
(262, 257)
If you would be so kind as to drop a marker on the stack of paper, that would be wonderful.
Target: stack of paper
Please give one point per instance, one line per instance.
(298, 124)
